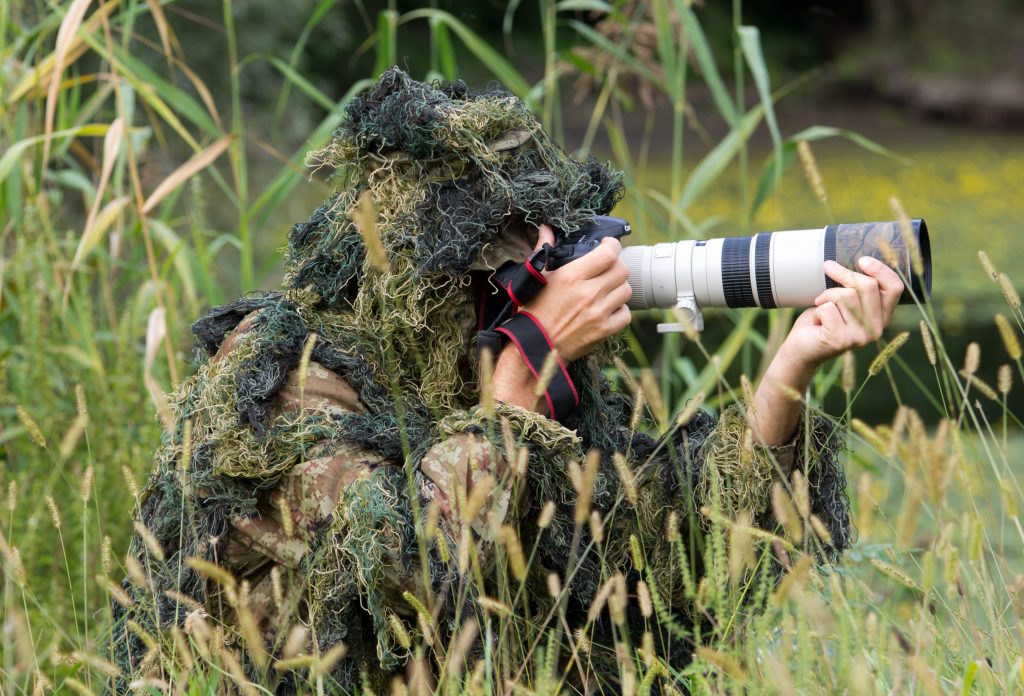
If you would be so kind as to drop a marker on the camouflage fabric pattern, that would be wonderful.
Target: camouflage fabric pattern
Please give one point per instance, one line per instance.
(333, 490)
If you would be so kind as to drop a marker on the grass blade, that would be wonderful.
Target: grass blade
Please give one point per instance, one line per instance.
(750, 41)
(193, 166)
(491, 59)
(65, 39)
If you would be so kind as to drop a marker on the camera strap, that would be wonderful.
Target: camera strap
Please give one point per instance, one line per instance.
(507, 322)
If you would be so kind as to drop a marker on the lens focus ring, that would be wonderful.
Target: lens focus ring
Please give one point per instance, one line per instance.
(634, 258)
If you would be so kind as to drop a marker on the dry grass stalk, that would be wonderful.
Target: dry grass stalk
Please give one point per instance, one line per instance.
(987, 266)
(692, 406)
(106, 555)
(493, 606)
(909, 238)
(547, 514)
(249, 628)
(129, 480)
(869, 434)
(636, 553)
(811, 171)
(929, 344)
(104, 667)
(211, 571)
(722, 661)
(585, 490)
(547, 373)
(284, 513)
(972, 358)
(456, 657)
(85, 487)
(12, 496)
(848, 378)
(1010, 293)
(51, 505)
(152, 544)
(477, 498)
(514, 550)
(1004, 381)
(72, 437)
(78, 687)
(136, 574)
(31, 427)
(195, 164)
(626, 479)
(980, 385)
(297, 641)
(399, 631)
(1009, 336)
(880, 361)
(596, 527)
(115, 591)
(554, 585)
(785, 513)
(643, 596)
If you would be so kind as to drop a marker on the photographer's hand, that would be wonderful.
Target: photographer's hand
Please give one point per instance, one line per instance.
(846, 317)
(583, 304)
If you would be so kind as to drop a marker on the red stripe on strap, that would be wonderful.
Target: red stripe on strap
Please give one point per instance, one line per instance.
(558, 357)
(534, 272)
(512, 295)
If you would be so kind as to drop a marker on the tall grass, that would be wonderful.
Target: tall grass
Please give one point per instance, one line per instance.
(104, 265)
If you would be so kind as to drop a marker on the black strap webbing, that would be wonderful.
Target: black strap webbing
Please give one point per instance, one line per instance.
(534, 345)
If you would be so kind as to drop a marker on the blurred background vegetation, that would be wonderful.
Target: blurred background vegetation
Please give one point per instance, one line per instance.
(158, 174)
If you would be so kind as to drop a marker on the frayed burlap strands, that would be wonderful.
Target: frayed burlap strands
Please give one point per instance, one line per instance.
(446, 184)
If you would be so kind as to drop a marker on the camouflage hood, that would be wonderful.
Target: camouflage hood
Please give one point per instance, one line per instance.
(456, 181)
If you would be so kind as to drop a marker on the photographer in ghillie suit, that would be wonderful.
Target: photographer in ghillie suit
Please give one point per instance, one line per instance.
(334, 453)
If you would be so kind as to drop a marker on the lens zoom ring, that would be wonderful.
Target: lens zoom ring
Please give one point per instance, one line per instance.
(736, 272)
(763, 270)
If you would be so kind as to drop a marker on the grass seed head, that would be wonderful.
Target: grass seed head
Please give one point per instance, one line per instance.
(972, 358)
(85, 489)
(554, 585)
(643, 596)
(1009, 336)
(880, 361)
(31, 427)
(848, 379)
(691, 409)
(72, 437)
(907, 233)
(811, 171)
(929, 344)
(51, 504)
(1010, 293)
(1004, 381)
(596, 527)
(986, 265)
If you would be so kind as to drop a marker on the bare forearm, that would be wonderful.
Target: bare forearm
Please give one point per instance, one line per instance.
(513, 383)
(775, 413)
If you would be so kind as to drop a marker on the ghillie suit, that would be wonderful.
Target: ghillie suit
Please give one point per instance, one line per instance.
(333, 455)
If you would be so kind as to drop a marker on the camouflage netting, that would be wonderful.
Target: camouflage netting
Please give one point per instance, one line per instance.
(457, 180)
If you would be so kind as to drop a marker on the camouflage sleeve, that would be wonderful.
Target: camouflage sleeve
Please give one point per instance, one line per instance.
(736, 476)
(479, 468)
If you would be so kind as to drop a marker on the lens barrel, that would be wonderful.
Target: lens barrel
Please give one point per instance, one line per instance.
(772, 269)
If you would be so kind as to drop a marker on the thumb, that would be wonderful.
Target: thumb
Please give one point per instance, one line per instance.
(545, 235)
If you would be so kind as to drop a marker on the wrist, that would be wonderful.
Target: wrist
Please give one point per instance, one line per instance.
(790, 369)
(513, 382)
